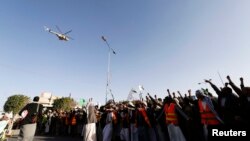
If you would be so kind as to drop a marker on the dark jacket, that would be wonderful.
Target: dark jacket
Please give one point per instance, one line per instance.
(33, 110)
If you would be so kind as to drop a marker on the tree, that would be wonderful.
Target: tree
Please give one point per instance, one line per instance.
(15, 103)
(65, 104)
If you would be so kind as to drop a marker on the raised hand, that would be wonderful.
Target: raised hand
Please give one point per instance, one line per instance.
(241, 83)
(174, 94)
(228, 78)
(189, 92)
(241, 79)
(207, 81)
(168, 93)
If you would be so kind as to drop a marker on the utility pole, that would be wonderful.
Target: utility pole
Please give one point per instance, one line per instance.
(108, 89)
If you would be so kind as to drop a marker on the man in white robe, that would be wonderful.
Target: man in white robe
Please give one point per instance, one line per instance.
(89, 129)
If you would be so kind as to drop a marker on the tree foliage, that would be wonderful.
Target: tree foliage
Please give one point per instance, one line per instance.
(65, 104)
(15, 103)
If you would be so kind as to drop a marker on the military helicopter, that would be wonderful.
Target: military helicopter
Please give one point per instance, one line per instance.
(60, 35)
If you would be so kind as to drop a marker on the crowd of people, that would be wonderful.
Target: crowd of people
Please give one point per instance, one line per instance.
(190, 117)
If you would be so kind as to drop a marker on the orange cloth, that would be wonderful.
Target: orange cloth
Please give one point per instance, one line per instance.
(144, 114)
(73, 120)
(171, 114)
(207, 116)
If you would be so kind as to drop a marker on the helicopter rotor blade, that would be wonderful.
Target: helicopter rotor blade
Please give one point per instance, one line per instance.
(58, 29)
(67, 32)
(70, 37)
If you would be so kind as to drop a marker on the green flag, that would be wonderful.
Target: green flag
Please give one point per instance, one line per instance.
(82, 102)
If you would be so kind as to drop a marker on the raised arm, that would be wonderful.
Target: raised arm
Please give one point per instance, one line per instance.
(169, 94)
(241, 83)
(216, 89)
(173, 95)
(189, 93)
(235, 88)
(190, 96)
(153, 100)
(180, 95)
